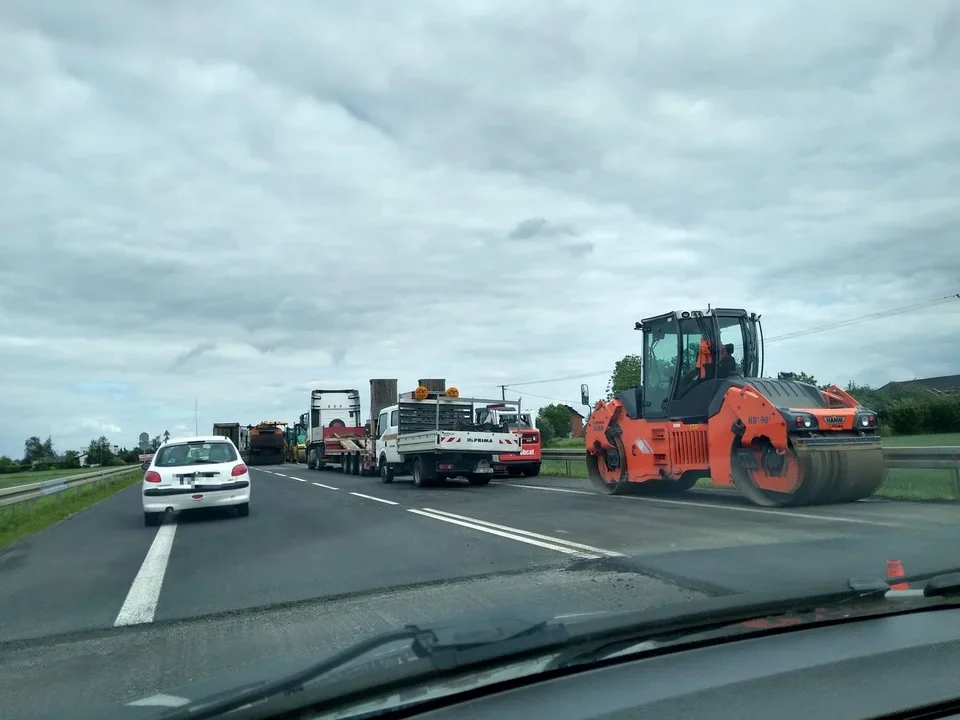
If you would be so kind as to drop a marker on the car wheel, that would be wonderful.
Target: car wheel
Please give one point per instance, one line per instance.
(243, 510)
(152, 519)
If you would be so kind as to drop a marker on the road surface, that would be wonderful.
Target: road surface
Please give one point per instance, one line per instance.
(100, 609)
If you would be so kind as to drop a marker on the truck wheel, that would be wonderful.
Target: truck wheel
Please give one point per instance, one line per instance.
(386, 474)
(533, 471)
(355, 464)
(479, 479)
(418, 478)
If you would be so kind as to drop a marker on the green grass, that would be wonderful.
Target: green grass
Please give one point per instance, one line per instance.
(25, 478)
(897, 484)
(17, 521)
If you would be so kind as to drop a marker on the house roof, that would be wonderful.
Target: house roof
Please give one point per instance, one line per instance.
(573, 412)
(943, 383)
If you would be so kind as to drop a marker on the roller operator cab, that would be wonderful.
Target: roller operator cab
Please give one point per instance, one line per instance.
(703, 411)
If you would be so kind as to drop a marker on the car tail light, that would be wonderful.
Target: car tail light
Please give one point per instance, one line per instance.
(239, 469)
(152, 477)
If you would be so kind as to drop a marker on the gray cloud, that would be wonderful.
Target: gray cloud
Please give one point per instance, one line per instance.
(323, 193)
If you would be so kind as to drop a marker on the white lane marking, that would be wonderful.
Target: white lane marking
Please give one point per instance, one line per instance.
(509, 536)
(141, 602)
(528, 533)
(300, 479)
(371, 497)
(328, 487)
(717, 506)
(282, 475)
(540, 487)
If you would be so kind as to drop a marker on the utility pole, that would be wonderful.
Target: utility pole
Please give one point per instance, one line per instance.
(503, 392)
(196, 418)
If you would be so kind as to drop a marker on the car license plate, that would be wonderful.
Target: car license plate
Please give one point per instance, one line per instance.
(484, 470)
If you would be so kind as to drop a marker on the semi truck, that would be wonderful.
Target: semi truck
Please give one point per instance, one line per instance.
(266, 443)
(506, 415)
(333, 429)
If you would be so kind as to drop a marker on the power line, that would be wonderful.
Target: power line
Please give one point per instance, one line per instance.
(789, 336)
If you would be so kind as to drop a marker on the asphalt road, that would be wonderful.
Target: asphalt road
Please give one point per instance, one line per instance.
(99, 609)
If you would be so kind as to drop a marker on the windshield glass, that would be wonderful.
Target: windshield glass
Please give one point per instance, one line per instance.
(195, 454)
(320, 319)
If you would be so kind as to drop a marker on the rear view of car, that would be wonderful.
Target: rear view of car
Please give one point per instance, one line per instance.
(192, 474)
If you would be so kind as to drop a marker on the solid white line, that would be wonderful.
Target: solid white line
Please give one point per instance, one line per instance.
(141, 602)
(328, 487)
(528, 533)
(509, 536)
(371, 497)
(717, 506)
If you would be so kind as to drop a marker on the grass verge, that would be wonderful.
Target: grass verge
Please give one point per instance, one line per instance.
(16, 521)
(897, 484)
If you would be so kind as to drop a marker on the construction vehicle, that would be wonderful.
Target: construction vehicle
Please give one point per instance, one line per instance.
(704, 411)
(266, 443)
(434, 436)
(300, 456)
(506, 415)
(296, 441)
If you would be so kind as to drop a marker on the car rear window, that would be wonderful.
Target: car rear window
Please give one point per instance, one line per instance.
(195, 453)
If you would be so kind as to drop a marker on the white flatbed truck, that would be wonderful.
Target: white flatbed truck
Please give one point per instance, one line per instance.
(434, 436)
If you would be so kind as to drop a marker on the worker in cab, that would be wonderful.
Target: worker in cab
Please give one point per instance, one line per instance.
(728, 364)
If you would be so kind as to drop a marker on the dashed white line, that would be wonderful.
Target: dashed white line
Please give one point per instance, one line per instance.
(300, 479)
(717, 506)
(141, 602)
(371, 497)
(528, 533)
(327, 487)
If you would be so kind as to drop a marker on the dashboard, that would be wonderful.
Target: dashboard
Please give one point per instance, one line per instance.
(864, 668)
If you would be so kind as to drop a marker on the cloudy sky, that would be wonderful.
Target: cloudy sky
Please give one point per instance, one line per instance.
(239, 201)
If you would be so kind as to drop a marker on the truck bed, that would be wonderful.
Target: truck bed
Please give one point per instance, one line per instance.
(457, 441)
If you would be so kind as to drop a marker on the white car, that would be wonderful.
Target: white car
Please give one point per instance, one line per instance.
(193, 473)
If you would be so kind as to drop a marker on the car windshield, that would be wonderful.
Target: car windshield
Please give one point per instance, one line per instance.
(195, 453)
(318, 319)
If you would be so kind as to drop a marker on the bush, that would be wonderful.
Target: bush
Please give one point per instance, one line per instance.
(910, 410)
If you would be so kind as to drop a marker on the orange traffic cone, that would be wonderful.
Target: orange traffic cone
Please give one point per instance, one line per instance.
(895, 570)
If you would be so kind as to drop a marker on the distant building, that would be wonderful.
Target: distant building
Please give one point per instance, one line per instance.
(576, 423)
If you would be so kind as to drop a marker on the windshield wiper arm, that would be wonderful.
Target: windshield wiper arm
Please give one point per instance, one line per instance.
(446, 647)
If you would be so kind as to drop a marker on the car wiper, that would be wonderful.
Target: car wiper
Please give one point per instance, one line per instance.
(446, 647)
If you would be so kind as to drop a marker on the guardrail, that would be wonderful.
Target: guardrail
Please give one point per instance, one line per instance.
(899, 458)
(34, 491)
